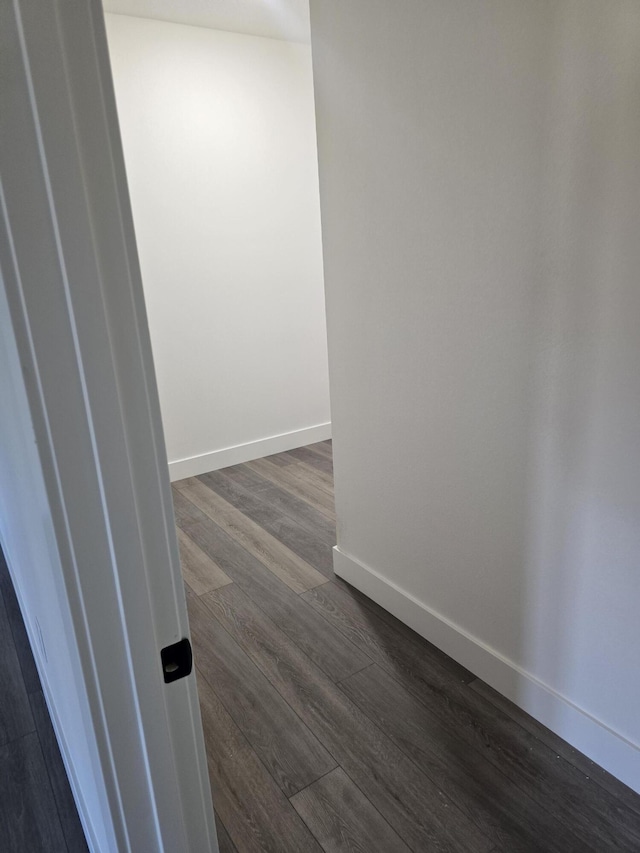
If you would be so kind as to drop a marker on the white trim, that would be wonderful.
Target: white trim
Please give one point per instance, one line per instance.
(77, 312)
(591, 736)
(239, 453)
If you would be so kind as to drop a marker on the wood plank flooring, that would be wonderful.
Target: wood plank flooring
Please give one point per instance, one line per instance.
(37, 811)
(330, 725)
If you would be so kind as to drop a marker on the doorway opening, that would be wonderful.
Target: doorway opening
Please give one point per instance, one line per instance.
(216, 115)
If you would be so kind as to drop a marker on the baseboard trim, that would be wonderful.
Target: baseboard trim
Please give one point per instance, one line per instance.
(194, 465)
(591, 736)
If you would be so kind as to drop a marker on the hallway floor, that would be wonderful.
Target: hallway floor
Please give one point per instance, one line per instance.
(330, 725)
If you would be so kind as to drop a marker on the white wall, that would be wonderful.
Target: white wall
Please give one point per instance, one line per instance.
(219, 140)
(480, 188)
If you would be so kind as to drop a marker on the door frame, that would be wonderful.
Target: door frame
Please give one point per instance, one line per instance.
(72, 282)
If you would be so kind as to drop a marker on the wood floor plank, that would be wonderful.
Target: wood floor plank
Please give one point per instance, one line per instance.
(321, 461)
(556, 785)
(393, 646)
(343, 820)
(319, 640)
(287, 531)
(225, 844)
(200, 572)
(255, 812)
(268, 492)
(286, 747)
(504, 813)
(296, 573)
(15, 713)
(280, 459)
(628, 798)
(307, 473)
(67, 812)
(244, 500)
(301, 488)
(410, 801)
(18, 630)
(28, 816)
(305, 545)
(323, 447)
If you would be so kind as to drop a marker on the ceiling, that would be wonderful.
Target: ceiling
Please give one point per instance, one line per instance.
(279, 19)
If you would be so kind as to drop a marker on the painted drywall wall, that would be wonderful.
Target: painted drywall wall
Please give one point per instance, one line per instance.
(219, 140)
(480, 194)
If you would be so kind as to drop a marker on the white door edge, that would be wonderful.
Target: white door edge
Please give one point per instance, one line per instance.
(73, 287)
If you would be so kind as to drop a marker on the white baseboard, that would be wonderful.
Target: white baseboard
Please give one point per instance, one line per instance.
(194, 465)
(606, 747)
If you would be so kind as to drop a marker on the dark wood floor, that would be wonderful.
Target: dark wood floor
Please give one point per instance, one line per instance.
(37, 811)
(330, 725)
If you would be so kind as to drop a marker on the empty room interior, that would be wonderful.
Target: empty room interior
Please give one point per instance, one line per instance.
(396, 241)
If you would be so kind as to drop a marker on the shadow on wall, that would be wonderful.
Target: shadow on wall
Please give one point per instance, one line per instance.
(579, 613)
